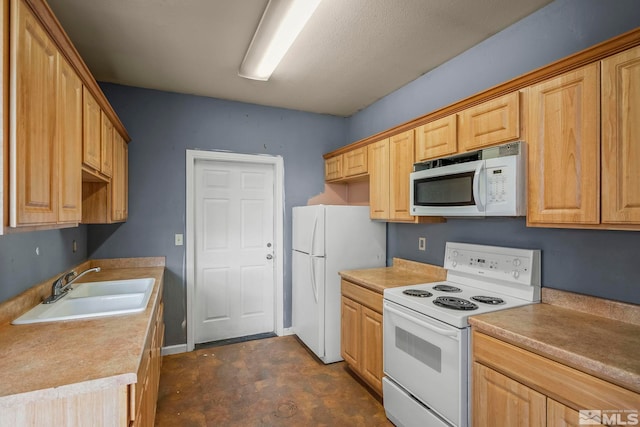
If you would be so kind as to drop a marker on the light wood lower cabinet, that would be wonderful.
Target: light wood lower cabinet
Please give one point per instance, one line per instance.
(361, 333)
(132, 405)
(514, 387)
(144, 394)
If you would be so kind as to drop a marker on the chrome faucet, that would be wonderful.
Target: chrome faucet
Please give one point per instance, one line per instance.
(62, 284)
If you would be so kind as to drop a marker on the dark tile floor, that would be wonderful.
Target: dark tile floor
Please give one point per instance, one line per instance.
(268, 382)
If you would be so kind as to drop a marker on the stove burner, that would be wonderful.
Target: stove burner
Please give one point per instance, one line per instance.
(446, 288)
(455, 303)
(488, 300)
(417, 293)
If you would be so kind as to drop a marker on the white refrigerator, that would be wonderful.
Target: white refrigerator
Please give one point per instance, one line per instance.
(326, 240)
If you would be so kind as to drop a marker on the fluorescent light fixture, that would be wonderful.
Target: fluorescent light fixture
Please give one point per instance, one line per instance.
(281, 23)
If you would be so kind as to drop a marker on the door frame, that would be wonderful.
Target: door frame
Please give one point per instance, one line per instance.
(278, 216)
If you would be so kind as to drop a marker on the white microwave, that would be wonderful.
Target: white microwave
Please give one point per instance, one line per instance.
(487, 182)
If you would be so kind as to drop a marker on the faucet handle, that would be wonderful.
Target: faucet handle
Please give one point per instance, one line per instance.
(69, 276)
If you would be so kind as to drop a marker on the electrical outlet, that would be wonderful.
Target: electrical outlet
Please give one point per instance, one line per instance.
(422, 243)
(178, 239)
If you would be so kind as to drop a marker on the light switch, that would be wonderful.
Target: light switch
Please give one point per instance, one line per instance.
(178, 239)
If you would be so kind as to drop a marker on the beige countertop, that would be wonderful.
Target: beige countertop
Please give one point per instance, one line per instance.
(60, 358)
(563, 328)
(402, 273)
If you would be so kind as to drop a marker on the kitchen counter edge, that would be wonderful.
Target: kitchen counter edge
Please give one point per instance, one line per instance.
(600, 346)
(402, 273)
(70, 360)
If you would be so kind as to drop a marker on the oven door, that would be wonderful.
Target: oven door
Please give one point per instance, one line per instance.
(428, 358)
(453, 190)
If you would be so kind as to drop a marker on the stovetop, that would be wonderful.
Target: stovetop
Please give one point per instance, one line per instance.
(480, 279)
(457, 318)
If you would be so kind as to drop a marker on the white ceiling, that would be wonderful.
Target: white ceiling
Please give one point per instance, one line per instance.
(350, 54)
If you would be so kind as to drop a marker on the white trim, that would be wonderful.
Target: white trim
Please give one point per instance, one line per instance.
(173, 349)
(278, 207)
(287, 331)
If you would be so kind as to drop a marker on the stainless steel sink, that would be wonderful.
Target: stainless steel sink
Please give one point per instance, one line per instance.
(94, 299)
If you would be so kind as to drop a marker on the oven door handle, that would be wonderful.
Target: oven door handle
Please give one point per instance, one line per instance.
(448, 333)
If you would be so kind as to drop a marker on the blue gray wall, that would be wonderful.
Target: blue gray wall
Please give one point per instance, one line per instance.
(162, 127)
(600, 263)
(20, 266)
(553, 32)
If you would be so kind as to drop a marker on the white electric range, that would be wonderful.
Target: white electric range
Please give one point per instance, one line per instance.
(426, 330)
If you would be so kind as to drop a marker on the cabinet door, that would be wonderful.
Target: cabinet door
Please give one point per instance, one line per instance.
(354, 162)
(92, 130)
(621, 138)
(379, 179)
(492, 122)
(564, 149)
(350, 331)
(371, 364)
(33, 121)
(401, 152)
(70, 143)
(333, 168)
(436, 139)
(500, 401)
(559, 415)
(119, 184)
(106, 145)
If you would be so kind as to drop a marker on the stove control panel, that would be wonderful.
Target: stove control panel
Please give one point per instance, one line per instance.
(517, 266)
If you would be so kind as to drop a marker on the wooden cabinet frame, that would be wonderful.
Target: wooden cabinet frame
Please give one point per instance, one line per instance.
(535, 375)
(361, 333)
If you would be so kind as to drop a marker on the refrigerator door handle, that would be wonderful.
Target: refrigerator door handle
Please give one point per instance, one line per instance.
(313, 236)
(314, 287)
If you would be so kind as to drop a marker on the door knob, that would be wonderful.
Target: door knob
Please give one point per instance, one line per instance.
(269, 256)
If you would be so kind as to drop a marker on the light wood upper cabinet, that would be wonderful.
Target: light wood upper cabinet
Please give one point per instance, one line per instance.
(621, 138)
(436, 139)
(34, 171)
(354, 162)
(333, 168)
(346, 166)
(564, 149)
(70, 144)
(106, 144)
(379, 179)
(92, 132)
(490, 123)
(119, 182)
(401, 152)
(57, 129)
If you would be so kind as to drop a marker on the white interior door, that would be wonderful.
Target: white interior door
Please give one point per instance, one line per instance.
(234, 236)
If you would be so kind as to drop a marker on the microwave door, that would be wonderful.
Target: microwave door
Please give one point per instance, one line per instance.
(453, 190)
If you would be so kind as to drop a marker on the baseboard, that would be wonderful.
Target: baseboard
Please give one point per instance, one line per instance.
(287, 331)
(174, 349)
